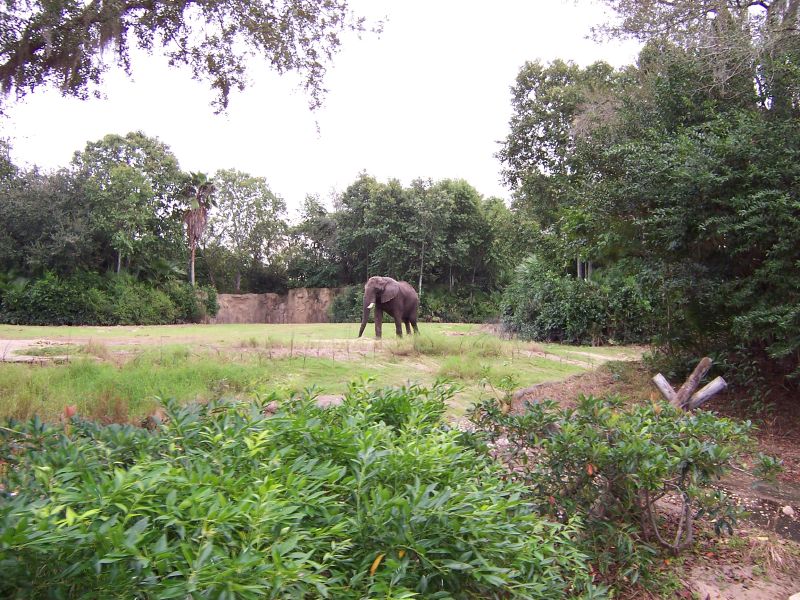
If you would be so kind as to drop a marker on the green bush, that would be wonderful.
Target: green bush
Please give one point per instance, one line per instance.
(609, 464)
(192, 305)
(347, 307)
(376, 498)
(135, 303)
(89, 299)
(541, 304)
(54, 300)
(465, 305)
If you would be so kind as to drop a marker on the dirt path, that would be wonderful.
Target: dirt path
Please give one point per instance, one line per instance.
(15, 350)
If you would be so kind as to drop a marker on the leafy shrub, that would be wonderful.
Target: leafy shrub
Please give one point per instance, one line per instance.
(347, 307)
(54, 300)
(609, 464)
(135, 303)
(465, 305)
(89, 299)
(375, 498)
(543, 305)
(192, 305)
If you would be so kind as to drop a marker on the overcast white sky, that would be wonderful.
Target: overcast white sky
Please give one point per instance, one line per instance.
(429, 97)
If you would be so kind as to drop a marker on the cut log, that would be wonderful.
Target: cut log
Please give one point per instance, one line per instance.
(704, 393)
(688, 388)
(666, 389)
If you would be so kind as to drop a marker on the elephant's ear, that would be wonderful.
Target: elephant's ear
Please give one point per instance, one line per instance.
(390, 291)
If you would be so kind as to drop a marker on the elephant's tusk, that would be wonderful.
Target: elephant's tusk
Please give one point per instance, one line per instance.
(371, 305)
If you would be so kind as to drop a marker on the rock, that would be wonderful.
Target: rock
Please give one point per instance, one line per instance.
(271, 408)
(789, 512)
(328, 401)
(795, 596)
(154, 420)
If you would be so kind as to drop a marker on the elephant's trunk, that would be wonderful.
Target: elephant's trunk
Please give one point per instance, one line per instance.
(364, 318)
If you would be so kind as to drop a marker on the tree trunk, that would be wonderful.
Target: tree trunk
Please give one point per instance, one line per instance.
(589, 270)
(119, 261)
(421, 268)
(237, 282)
(579, 263)
(191, 267)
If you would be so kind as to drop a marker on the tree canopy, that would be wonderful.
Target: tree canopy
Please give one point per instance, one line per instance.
(62, 42)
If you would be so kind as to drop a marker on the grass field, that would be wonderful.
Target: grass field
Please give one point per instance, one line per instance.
(119, 373)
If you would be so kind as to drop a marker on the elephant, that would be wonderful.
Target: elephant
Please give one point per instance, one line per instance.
(397, 298)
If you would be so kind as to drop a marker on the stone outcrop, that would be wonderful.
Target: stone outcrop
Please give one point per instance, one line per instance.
(301, 305)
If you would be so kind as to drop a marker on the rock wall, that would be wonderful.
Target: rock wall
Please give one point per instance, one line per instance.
(301, 305)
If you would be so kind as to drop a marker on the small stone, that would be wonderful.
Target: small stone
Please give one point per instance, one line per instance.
(328, 401)
(795, 596)
(788, 511)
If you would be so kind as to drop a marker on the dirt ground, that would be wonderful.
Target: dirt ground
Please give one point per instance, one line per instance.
(762, 560)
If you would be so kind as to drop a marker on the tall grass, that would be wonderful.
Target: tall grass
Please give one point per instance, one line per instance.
(247, 360)
(131, 390)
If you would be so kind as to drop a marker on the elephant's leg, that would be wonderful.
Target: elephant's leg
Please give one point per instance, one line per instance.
(378, 321)
(398, 324)
(414, 325)
(408, 326)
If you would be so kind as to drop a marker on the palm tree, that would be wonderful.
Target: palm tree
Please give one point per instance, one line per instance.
(199, 190)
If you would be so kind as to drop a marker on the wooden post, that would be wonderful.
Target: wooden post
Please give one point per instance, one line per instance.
(694, 380)
(666, 389)
(704, 393)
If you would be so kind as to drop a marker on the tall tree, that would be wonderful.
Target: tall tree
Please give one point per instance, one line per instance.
(198, 190)
(132, 184)
(558, 110)
(247, 219)
(62, 42)
(312, 255)
(740, 43)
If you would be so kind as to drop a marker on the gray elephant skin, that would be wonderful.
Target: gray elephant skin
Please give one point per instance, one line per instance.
(397, 298)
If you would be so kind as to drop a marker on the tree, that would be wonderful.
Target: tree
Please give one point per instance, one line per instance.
(751, 48)
(312, 254)
(122, 210)
(247, 219)
(355, 240)
(132, 185)
(61, 43)
(46, 224)
(559, 110)
(199, 191)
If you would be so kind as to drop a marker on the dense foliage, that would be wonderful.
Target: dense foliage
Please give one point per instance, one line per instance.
(429, 233)
(610, 463)
(678, 171)
(123, 205)
(542, 304)
(375, 498)
(90, 299)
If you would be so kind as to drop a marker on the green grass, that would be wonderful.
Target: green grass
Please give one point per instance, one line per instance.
(119, 373)
(57, 350)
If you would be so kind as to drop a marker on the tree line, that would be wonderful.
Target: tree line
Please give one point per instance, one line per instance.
(123, 207)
